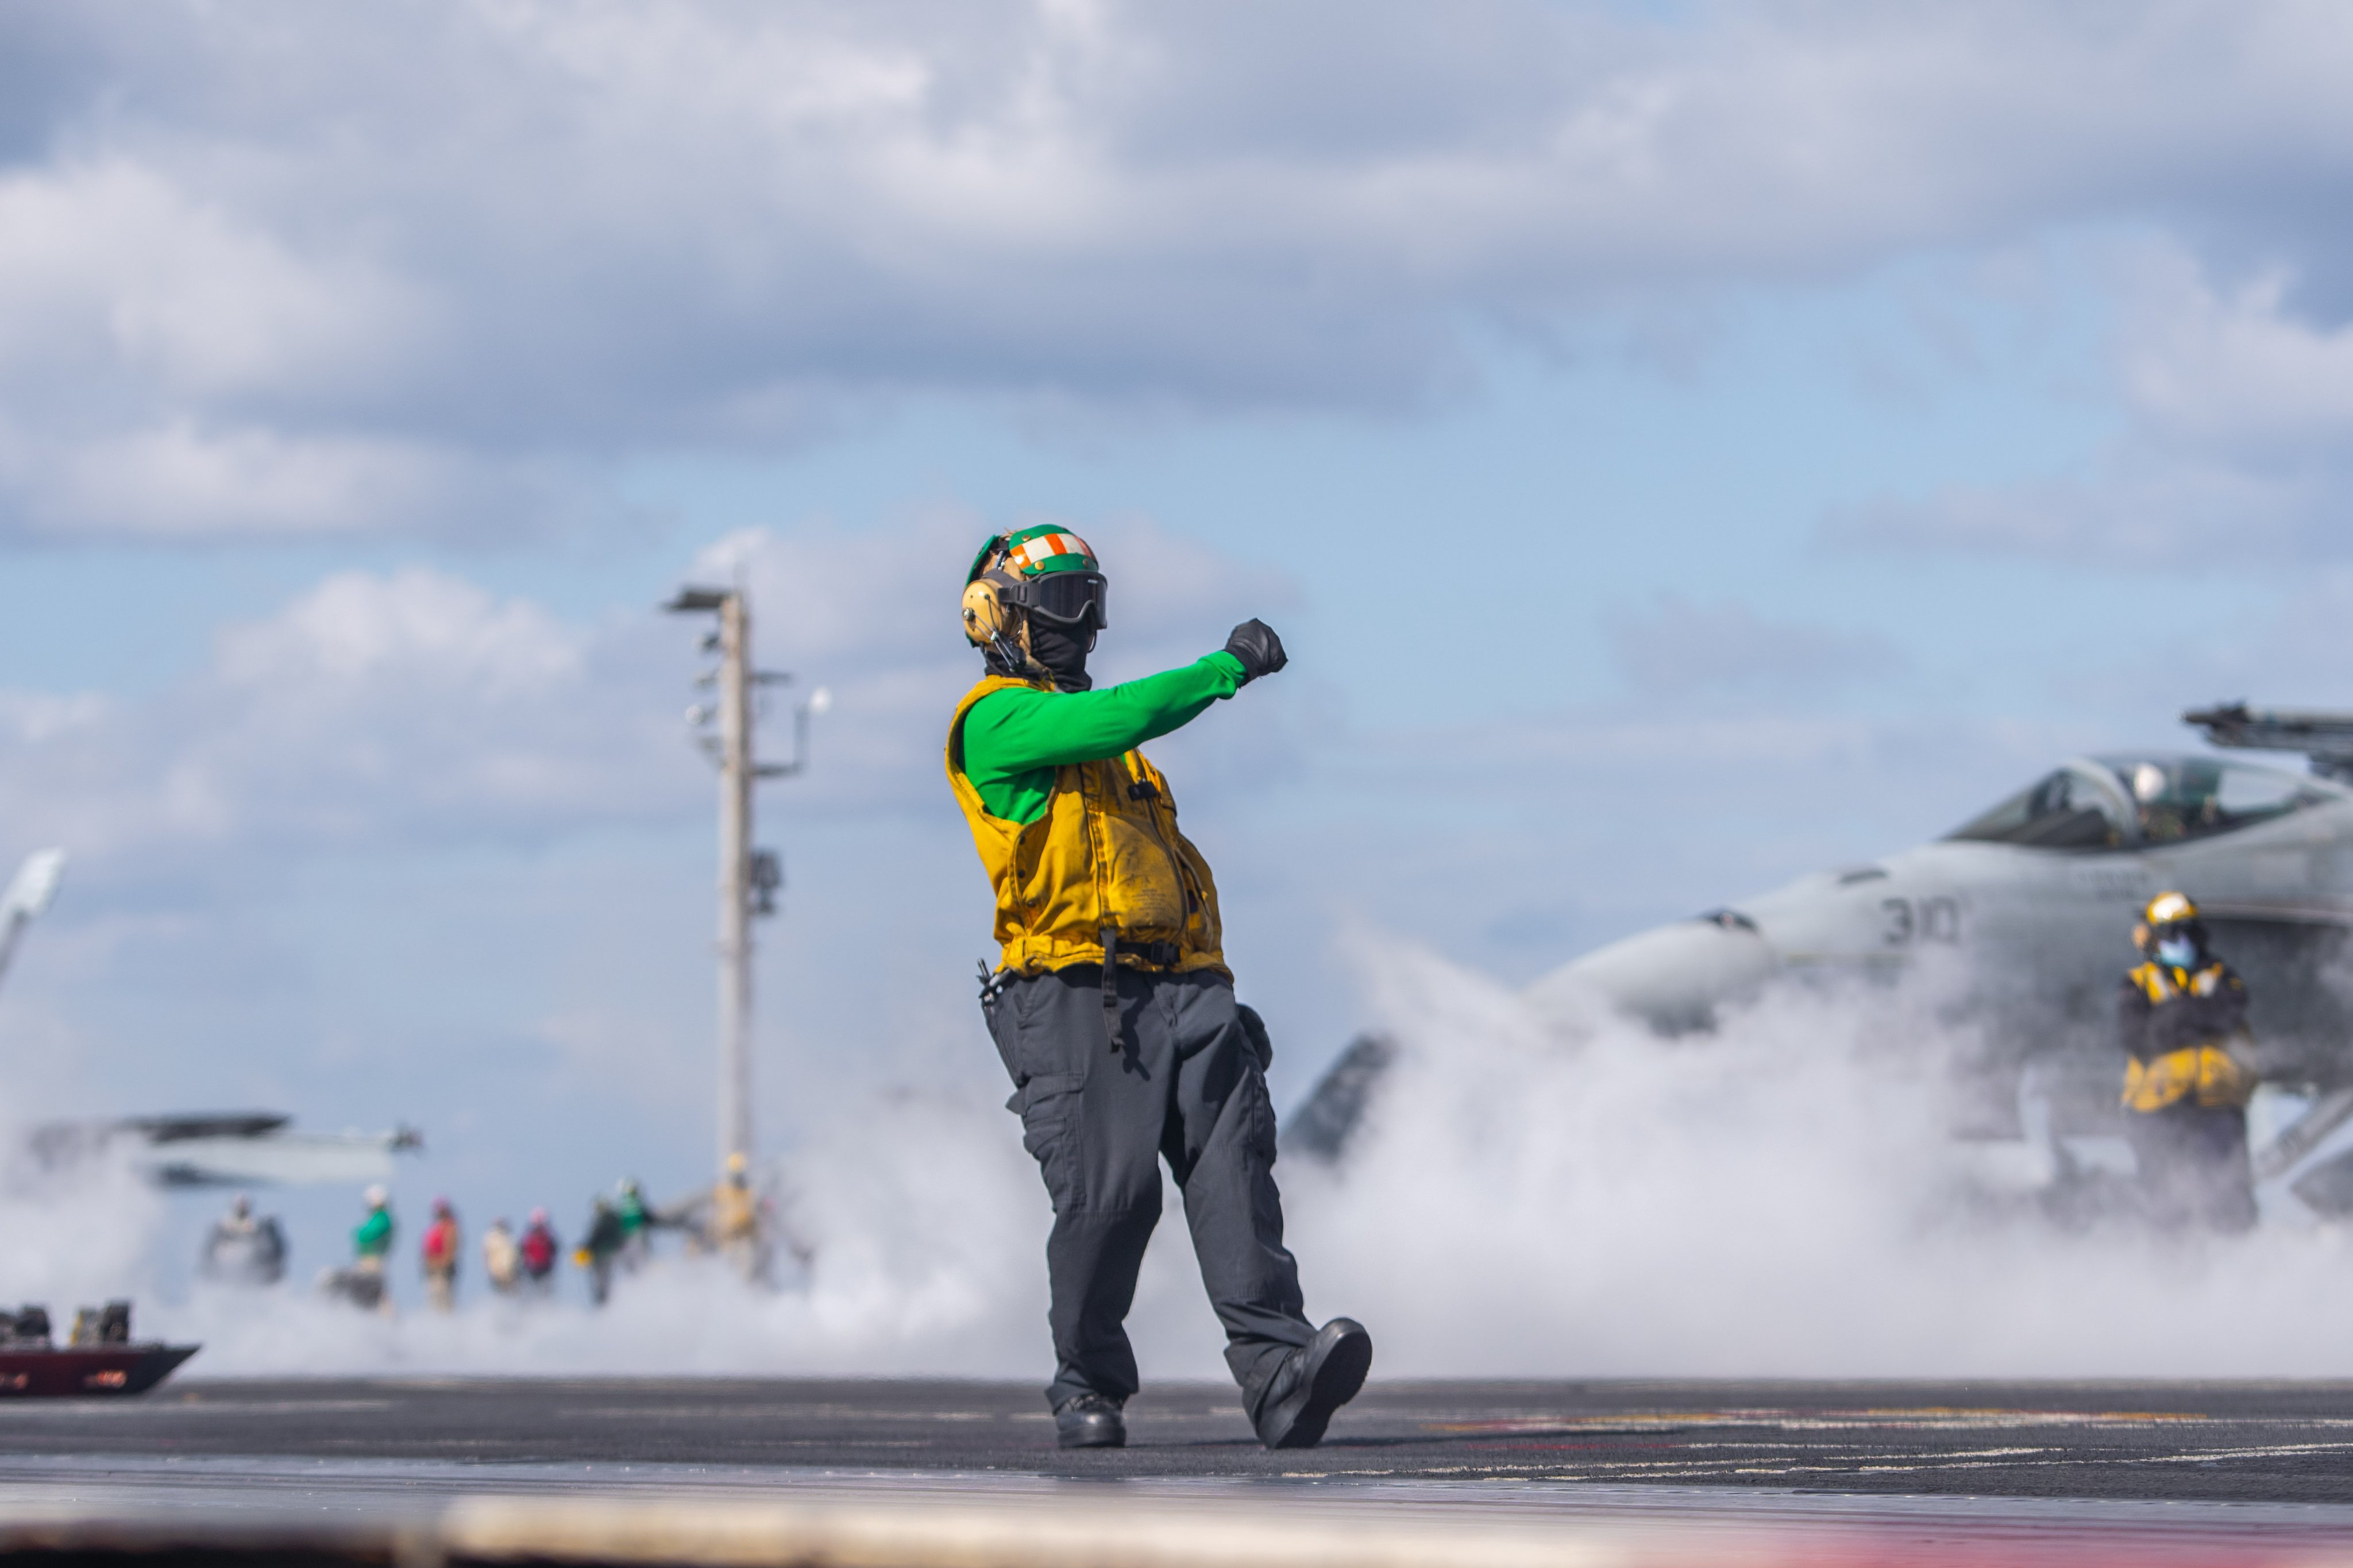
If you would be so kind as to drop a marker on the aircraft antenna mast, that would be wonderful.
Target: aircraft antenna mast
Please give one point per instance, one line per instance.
(749, 879)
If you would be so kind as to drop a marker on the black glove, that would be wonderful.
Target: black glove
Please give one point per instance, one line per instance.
(1261, 651)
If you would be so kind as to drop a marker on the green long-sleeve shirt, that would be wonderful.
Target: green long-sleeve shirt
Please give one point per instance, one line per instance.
(1014, 739)
(373, 1236)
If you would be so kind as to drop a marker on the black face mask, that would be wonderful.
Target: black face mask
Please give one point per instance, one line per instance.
(1061, 649)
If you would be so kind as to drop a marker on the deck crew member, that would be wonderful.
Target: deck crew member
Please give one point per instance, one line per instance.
(2189, 1070)
(364, 1283)
(605, 1238)
(733, 1228)
(439, 1253)
(539, 1249)
(502, 1258)
(244, 1247)
(1112, 1003)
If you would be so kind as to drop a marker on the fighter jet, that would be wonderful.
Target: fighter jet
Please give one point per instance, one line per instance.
(2029, 906)
(226, 1149)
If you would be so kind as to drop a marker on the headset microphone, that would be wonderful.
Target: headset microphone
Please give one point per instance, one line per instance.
(1045, 571)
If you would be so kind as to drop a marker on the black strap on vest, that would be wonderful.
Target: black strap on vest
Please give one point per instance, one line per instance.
(1111, 985)
(1150, 954)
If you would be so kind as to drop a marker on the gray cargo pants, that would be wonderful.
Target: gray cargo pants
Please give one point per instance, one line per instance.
(2194, 1167)
(1186, 1085)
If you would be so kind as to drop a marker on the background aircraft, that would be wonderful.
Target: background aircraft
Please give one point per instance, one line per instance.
(2031, 905)
(29, 892)
(228, 1149)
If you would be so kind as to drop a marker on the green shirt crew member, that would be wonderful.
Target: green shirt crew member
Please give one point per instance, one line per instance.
(1111, 1004)
(636, 1218)
(372, 1238)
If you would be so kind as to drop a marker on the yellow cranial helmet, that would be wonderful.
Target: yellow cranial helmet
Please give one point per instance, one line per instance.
(2170, 908)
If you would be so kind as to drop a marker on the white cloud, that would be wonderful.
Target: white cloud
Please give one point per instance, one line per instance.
(163, 363)
(417, 628)
(2235, 372)
(411, 708)
(176, 480)
(2237, 407)
(112, 267)
(289, 261)
(414, 710)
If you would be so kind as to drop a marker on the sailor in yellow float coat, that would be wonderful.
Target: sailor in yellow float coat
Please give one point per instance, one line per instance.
(2183, 1020)
(1110, 1003)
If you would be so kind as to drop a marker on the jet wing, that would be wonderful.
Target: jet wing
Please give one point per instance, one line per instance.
(237, 1149)
(279, 1158)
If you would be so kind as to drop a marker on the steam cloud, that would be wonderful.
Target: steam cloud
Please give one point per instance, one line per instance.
(1777, 1200)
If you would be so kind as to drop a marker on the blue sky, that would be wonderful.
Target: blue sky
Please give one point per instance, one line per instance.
(1681, 446)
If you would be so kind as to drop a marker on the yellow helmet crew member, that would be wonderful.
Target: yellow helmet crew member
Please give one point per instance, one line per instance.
(2182, 1019)
(1111, 1004)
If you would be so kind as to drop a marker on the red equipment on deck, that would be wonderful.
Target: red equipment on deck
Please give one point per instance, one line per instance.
(97, 1359)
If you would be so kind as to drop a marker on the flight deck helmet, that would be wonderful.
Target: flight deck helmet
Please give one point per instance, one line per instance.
(1045, 571)
(2170, 930)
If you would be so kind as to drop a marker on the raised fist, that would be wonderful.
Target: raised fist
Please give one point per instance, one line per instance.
(1261, 651)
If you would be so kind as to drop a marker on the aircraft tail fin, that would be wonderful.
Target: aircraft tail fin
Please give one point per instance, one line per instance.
(29, 892)
(1323, 1124)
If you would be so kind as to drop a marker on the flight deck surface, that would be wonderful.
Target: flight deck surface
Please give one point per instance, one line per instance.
(2204, 1472)
(2225, 1442)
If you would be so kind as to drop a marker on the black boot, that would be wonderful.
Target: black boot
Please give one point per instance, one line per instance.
(1314, 1381)
(1092, 1421)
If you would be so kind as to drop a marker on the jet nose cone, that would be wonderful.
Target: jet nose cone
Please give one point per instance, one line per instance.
(1673, 977)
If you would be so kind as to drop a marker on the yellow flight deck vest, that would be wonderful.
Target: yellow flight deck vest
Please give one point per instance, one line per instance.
(1105, 853)
(735, 1214)
(2210, 1073)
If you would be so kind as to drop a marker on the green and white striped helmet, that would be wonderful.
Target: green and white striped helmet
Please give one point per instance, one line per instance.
(1047, 571)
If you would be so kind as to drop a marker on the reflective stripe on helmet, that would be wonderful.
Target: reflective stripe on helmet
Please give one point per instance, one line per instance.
(1040, 552)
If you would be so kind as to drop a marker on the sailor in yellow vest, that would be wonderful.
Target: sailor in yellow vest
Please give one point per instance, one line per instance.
(2182, 1017)
(733, 1229)
(1112, 1003)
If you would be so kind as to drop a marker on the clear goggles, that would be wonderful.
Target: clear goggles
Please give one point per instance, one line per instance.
(1065, 598)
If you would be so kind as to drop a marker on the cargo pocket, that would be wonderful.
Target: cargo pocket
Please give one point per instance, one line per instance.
(992, 1007)
(1049, 1106)
(1258, 1114)
(1258, 1154)
(1012, 1023)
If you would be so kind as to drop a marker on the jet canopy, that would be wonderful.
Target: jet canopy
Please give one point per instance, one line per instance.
(2142, 802)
